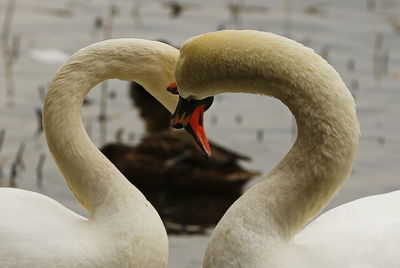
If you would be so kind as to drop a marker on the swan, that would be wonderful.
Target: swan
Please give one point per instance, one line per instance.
(269, 225)
(123, 229)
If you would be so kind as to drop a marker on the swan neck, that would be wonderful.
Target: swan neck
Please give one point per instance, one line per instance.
(321, 158)
(93, 179)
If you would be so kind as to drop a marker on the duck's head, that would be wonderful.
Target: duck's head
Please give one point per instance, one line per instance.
(189, 114)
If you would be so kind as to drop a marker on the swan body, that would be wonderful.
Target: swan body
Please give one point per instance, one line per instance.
(361, 233)
(123, 229)
(265, 226)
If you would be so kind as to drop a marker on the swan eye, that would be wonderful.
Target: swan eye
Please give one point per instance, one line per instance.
(173, 89)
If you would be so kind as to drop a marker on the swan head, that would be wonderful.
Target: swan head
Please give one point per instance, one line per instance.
(189, 114)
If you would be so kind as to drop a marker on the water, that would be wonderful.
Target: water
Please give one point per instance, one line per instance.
(342, 31)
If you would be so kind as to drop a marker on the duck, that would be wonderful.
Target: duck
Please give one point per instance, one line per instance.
(274, 224)
(122, 228)
(175, 163)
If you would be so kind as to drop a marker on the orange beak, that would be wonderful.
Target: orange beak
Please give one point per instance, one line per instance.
(189, 114)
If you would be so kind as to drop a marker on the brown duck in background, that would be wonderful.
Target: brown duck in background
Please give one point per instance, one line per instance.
(169, 159)
(186, 189)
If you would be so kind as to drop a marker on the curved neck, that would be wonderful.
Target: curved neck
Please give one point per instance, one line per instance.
(328, 131)
(93, 179)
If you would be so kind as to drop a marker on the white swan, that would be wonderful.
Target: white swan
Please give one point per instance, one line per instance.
(123, 229)
(264, 228)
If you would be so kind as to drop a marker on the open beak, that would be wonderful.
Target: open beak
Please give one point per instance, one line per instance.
(189, 114)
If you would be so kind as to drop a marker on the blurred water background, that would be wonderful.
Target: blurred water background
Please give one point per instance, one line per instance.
(360, 38)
